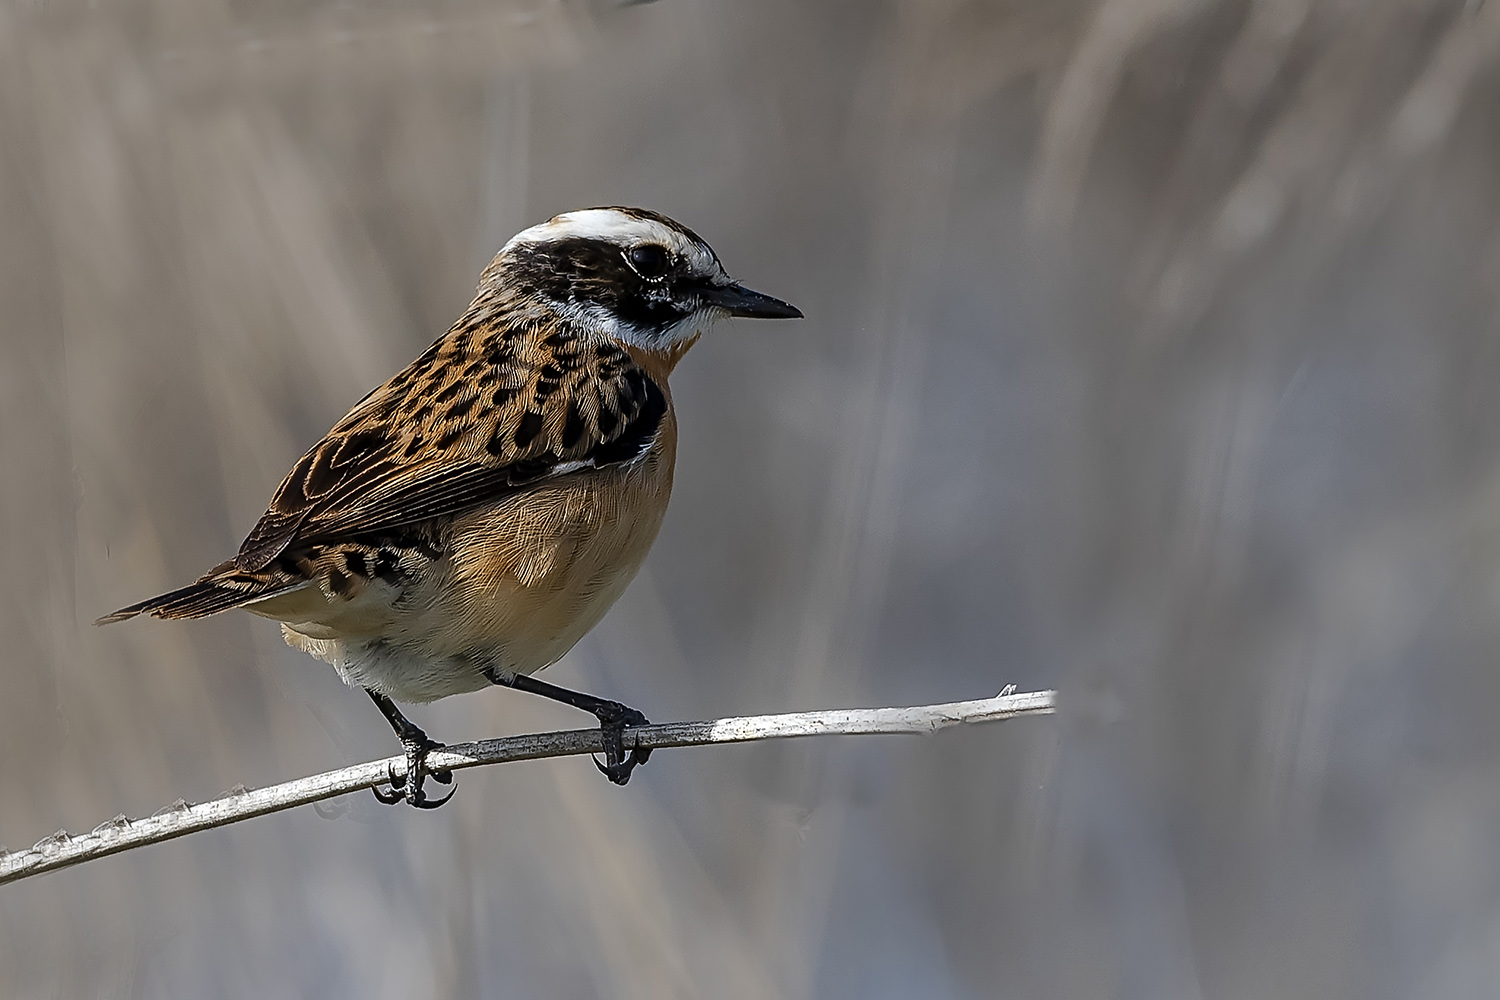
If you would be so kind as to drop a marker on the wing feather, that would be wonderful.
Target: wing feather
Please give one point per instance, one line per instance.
(490, 409)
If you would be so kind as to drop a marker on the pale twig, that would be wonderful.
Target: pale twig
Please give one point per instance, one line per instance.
(62, 850)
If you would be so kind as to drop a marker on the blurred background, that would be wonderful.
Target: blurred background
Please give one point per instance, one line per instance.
(1150, 354)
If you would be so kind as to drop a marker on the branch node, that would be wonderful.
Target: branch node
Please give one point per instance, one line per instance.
(111, 827)
(52, 844)
(180, 805)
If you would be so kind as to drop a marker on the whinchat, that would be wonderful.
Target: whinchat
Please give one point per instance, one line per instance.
(470, 519)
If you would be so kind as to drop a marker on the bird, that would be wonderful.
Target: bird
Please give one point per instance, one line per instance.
(471, 518)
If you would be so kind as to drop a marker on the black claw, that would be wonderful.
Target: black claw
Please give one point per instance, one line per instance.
(423, 802)
(416, 767)
(619, 772)
(387, 798)
(408, 786)
(417, 748)
(614, 718)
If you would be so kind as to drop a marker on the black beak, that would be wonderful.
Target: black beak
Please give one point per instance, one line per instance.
(737, 300)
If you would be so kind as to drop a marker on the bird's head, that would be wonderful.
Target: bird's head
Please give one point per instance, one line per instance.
(632, 274)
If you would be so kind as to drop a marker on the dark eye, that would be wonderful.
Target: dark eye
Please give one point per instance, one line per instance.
(650, 260)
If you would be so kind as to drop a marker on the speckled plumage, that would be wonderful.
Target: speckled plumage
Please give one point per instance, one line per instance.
(471, 518)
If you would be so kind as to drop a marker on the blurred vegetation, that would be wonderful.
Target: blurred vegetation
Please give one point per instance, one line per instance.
(1150, 354)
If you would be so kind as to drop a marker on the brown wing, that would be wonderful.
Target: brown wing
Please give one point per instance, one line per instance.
(486, 410)
(491, 407)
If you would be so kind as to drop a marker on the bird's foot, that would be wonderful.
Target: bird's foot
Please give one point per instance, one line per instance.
(614, 718)
(408, 786)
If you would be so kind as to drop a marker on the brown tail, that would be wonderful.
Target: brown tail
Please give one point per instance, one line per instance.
(219, 590)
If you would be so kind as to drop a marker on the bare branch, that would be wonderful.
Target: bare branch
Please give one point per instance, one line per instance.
(61, 850)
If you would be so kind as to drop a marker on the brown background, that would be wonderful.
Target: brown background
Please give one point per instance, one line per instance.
(1150, 352)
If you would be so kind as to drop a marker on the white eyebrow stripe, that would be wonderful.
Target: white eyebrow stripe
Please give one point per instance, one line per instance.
(615, 227)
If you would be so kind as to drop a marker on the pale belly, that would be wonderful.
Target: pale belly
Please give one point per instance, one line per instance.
(518, 584)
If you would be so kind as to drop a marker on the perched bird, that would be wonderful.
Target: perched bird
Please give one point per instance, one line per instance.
(469, 520)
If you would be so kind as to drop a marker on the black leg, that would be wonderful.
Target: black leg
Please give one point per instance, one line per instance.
(416, 745)
(613, 719)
